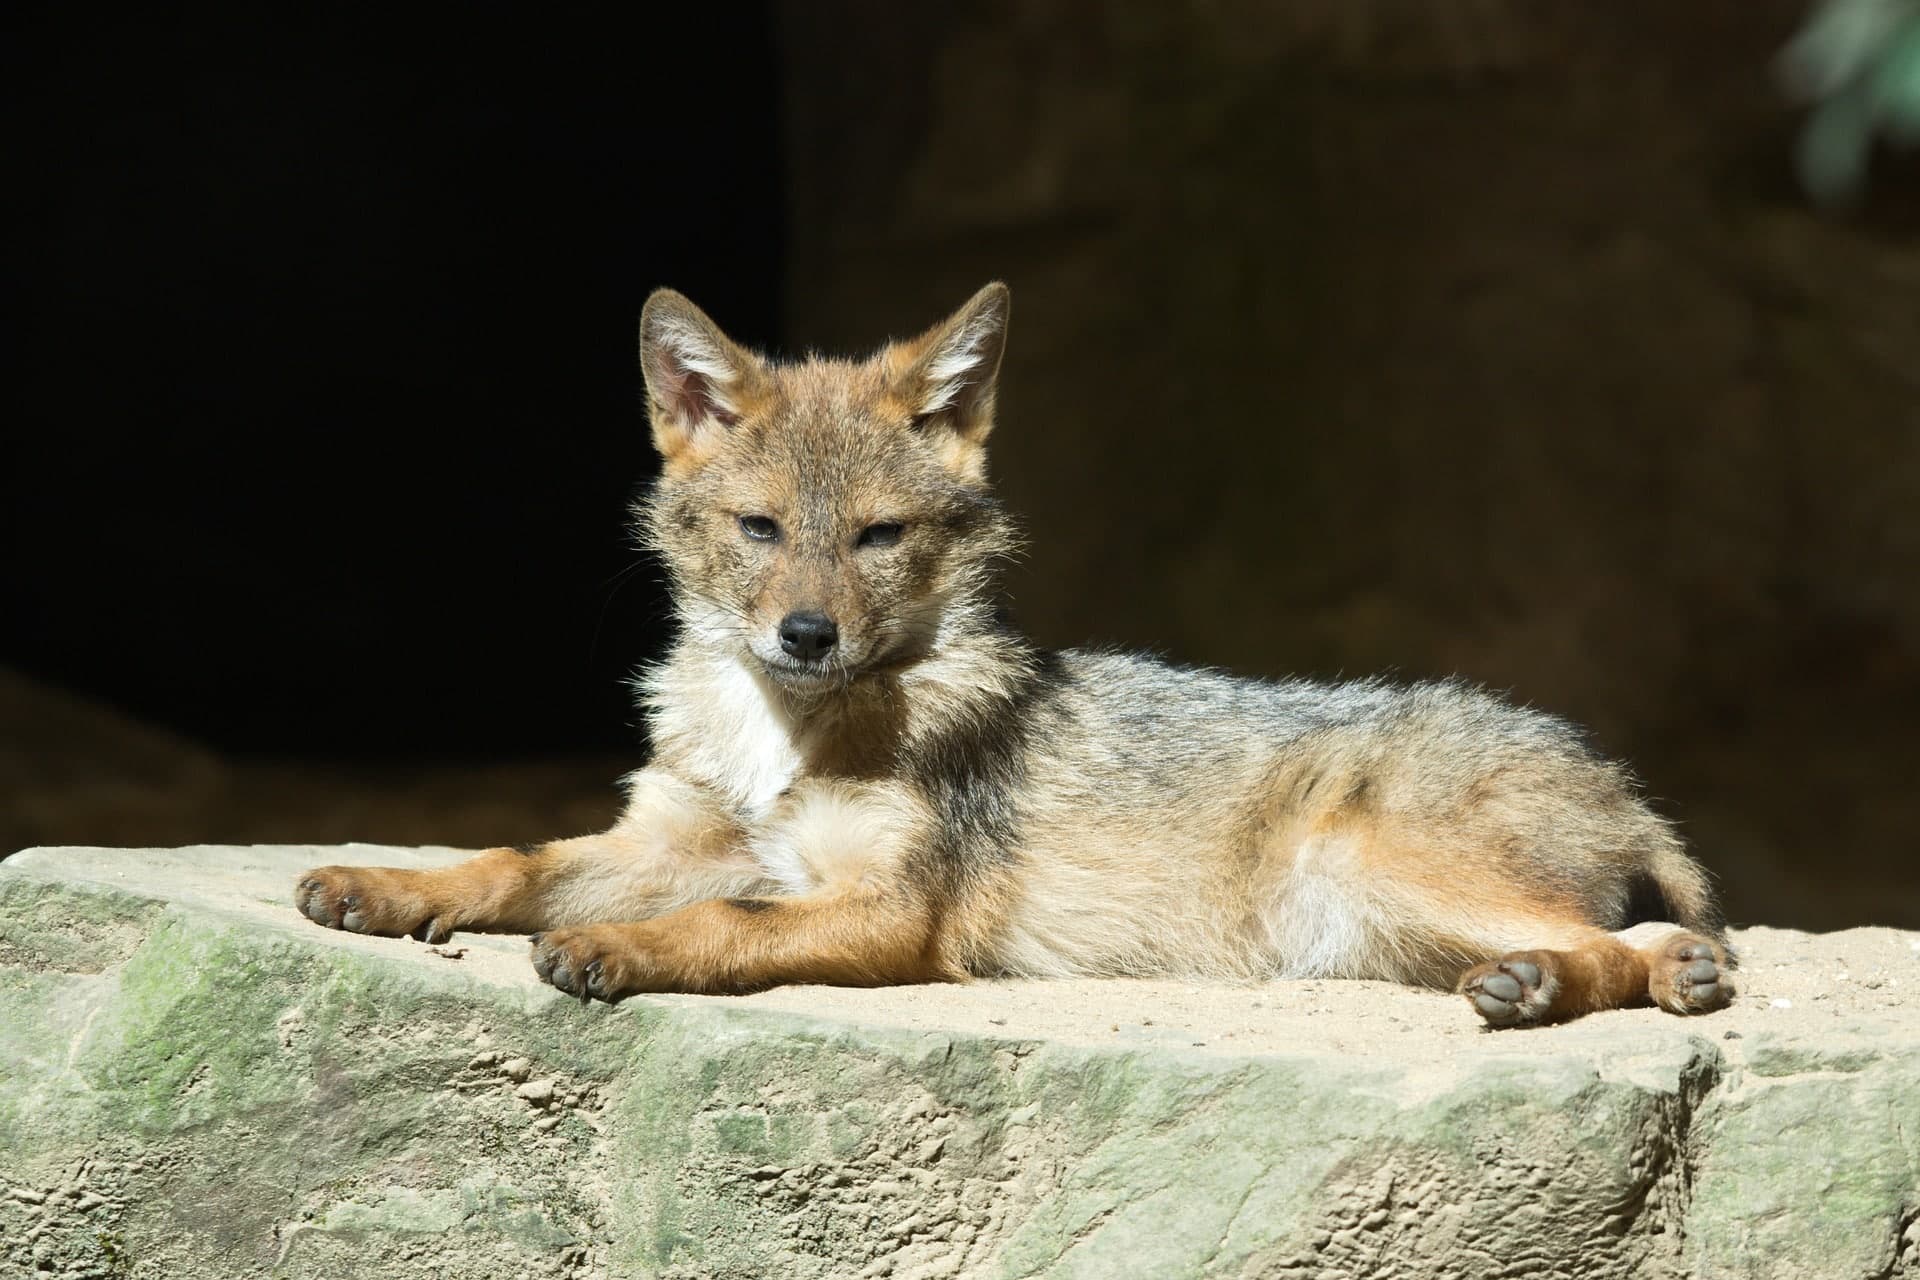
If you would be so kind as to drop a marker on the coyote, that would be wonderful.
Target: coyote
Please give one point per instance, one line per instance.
(863, 775)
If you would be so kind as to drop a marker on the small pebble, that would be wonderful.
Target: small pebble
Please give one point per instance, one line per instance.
(537, 1092)
(545, 1124)
(516, 1068)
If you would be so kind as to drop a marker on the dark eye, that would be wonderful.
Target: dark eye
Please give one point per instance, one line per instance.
(759, 528)
(880, 535)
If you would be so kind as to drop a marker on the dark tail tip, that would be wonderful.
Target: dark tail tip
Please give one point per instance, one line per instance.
(1675, 889)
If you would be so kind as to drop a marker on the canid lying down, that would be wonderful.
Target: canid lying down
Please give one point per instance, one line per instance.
(862, 776)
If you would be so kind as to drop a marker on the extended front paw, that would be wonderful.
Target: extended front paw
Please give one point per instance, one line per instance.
(594, 962)
(379, 900)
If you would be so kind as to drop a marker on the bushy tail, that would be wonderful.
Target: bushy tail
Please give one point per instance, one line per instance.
(1678, 890)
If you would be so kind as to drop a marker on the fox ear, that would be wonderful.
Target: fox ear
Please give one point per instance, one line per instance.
(698, 379)
(953, 367)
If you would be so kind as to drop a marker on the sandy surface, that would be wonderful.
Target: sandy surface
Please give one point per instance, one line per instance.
(1859, 982)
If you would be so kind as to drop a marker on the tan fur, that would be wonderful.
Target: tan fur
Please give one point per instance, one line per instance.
(933, 797)
(1612, 971)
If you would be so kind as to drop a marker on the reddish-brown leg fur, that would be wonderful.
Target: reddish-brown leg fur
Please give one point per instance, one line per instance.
(1680, 971)
(566, 882)
(494, 890)
(853, 939)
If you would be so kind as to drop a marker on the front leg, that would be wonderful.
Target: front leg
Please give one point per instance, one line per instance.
(867, 911)
(851, 938)
(673, 846)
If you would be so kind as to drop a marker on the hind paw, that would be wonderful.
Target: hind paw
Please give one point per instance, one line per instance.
(1512, 991)
(1689, 974)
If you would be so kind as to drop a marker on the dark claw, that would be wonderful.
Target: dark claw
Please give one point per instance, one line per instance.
(1528, 974)
(567, 972)
(310, 903)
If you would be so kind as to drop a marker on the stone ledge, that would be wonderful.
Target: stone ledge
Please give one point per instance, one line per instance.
(198, 1083)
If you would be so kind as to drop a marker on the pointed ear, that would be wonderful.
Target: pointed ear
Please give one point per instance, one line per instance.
(698, 380)
(952, 369)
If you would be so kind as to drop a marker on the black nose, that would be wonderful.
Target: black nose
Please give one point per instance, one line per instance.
(808, 635)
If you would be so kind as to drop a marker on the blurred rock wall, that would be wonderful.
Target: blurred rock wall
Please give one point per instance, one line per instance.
(1478, 336)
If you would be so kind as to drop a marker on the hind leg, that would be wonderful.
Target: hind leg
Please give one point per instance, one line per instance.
(1663, 964)
(1686, 972)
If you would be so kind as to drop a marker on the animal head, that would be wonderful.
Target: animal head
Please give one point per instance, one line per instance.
(825, 519)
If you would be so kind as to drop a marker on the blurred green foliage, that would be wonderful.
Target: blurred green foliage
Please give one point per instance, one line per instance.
(1858, 63)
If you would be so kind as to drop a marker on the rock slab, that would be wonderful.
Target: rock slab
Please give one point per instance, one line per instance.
(195, 1082)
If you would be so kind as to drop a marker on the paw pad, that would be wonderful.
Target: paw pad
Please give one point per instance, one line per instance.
(1695, 978)
(1504, 992)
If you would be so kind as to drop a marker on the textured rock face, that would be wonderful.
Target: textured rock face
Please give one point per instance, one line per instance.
(197, 1083)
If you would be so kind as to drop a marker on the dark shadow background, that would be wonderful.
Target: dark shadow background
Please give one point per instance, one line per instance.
(1491, 338)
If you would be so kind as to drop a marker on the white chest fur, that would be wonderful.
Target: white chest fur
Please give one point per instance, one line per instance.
(727, 732)
(720, 725)
(837, 834)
